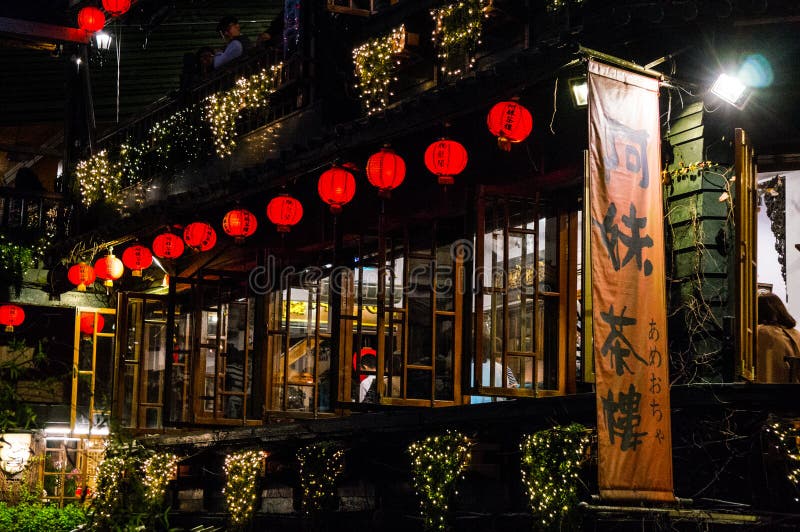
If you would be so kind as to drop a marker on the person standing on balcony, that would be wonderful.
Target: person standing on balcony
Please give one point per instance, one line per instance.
(778, 356)
(229, 29)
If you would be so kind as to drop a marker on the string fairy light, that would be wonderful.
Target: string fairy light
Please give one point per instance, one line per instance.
(223, 108)
(457, 29)
(159, 469)
(437, 463)
(375, 65)
(550, 463)
(321, 466)
(787, 441)
(241, 472)
(99, 179)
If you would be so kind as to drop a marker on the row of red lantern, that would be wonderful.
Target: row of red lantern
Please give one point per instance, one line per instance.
(509, 121)
(92, 19)
(12, 316)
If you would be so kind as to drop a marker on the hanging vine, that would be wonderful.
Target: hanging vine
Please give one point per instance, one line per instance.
(774, 193)
(456, 34)
(375, 62)
(159, 469)
(437, 464)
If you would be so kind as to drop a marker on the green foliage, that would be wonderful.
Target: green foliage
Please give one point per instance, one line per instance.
(19, 360)
(121, 501)
(550, 462)
(36, 517)
(15, 261)
(457, 33)
(375, 64)
(437, 463)
(321, 465)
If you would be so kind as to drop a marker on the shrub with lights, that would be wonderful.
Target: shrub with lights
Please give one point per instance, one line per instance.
(437, 464)
(321, 466)
(242, 470)
(120, 492)
(159, 469)
(375, 64)
(98, 178)
(457, 33)
(550, 463)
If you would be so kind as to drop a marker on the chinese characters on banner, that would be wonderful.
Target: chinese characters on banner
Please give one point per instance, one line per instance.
(628, 286)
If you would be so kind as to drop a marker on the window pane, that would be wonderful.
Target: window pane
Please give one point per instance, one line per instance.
(419, 312)
(132, 337)
(445, 279)
(445, 343)
(127, 395)
(104, 369)
(419, 384)
(519, 371)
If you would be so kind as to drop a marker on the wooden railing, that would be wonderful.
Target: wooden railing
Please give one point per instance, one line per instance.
(35, 211)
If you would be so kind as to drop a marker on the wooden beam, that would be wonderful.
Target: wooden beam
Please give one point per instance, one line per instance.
(39, 31)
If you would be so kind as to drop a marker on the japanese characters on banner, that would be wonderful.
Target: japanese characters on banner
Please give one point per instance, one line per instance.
(628, 286)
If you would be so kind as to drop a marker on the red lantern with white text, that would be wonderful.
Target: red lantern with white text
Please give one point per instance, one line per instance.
(109, 268)
(200, 236)
(11, 316)
(239, 223)
(510, 123)
(116, 7)
(284, 211)
(87, 324)
(385, 171)
(167, 246)
(81, 275)
(91, 19)
(336, 187)
(446, 158)
(137, 258)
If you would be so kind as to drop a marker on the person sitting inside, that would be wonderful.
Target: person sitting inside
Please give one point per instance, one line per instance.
(368, 389)
(778, 356)
(230, 30)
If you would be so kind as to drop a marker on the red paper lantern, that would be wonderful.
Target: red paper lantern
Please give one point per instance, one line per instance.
(239, 223)
(11, 316)
(167, 246)
(284, 211)
(116, 7)
(336, 187)
(510, 123)
(200, 236)
(87, 322)
(137, 258)
(81, 274)
(446, 158)
(385, 171)
(109, 268)
(91, 19)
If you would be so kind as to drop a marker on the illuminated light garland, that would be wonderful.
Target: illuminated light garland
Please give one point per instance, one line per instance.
(457, 29)
(159, 469)
(241, 471)
(437, 463)
(223, 108)
(321, 465)
(375, 65)
(554, 6)
(108, 495)
(176, 137)
(131, 157)
(550, 463)
(99, 179)
(787, 436)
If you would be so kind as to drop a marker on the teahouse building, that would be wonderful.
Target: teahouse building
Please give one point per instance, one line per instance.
(409, 181)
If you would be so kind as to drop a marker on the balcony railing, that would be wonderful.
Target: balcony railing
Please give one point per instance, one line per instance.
(34, 211)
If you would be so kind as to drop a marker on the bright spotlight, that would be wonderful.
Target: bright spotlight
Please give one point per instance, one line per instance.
(103, 40)
(731, 90)
(579, 90)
